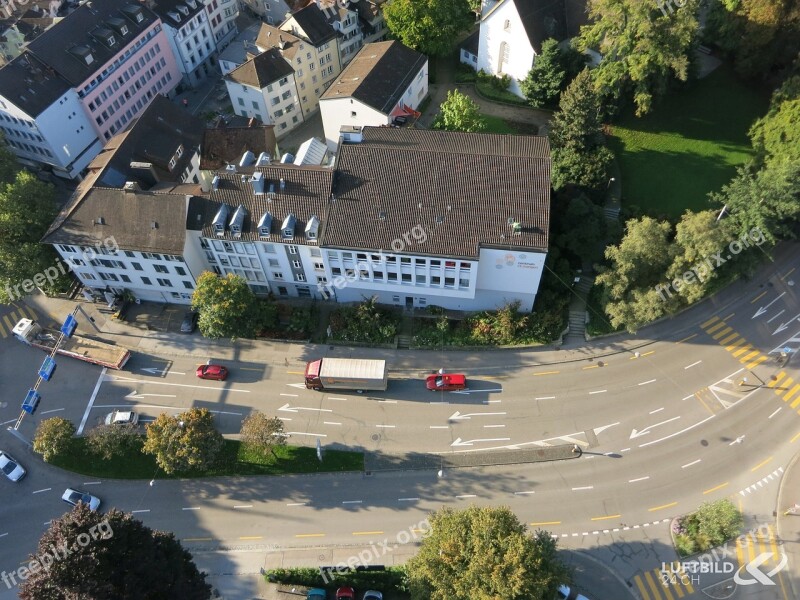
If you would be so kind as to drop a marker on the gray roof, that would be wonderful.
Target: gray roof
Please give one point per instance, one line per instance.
(314, 25)
(58, 45)
(462, 188)
(470, 43)
(543, 19)
(262, 70)
(225, 145)
(163, 8)
(30, 85)
(127, 216)
(306, 193)
(378, 75)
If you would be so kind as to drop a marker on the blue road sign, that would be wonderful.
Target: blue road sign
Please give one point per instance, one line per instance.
(31, 402)
(68, 328)
(47, 369)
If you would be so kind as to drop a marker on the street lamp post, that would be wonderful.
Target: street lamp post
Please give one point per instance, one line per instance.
(761, 383)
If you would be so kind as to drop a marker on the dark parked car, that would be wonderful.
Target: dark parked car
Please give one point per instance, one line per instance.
(189, 322)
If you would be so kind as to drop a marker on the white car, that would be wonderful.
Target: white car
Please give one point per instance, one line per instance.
(72, 497)
(10, 467)
(564, 593)
(119, 417)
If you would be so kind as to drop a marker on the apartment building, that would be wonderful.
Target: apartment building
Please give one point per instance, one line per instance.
(222, 17)
(272, 11)
(82, 81)
(190, 37)
(22, 22)
(370, 19)
(226, 144)
(343, 17)
(309, 24)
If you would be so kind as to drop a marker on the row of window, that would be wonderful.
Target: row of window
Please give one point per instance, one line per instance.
(131, 72)
(129, 253)
(120, 101)
(334, 258)
(119, 61)
(390, 277)
(30, 148)
(125, 279)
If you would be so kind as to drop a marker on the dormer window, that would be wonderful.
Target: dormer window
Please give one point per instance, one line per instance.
(179, 151)
(174, 16)
(183, 9)
(84, 53)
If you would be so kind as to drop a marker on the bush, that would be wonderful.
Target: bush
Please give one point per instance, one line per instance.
(496, 88)
(53, 437)
(709, 526)
(366, 323)
(393, 579)
(599, 323)
(109, 441)
(465, 74)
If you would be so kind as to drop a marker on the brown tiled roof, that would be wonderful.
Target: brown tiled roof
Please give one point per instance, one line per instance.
(261, 70)
(225, 145)
(462, 188)
(270, 36)
(378, 75)
(306, 193)
(128, 217)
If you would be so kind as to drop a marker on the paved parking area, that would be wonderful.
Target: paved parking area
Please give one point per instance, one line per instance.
(151, 316)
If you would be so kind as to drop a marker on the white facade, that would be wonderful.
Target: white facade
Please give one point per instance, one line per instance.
(222, 19)
(504, 47)
(194, 47)
(345, 21)
(62, 135)
(276, 104)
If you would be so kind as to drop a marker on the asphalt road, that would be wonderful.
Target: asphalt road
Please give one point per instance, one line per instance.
(703, 412)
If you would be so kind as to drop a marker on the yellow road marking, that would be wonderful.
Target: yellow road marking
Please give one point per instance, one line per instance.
(709, 322)
(654, 586)
(655, 508)
(787, 383)
(742, 350)
(789, 273)
(548, 373)
(748, 357)
(761, 464)
(686, 339)
(248, 369)
(722, 333)
(642, 591)
(714, 489)
(295, 372)
(251, 537)
(305, 535)
(538, 523)
(773, 382)
(730, 316)
(592, 367)
(8, 322)
(757, 362)
(197, 539)
(3, 333)
(420, 530)
(788, 395)
(728, 339)
(794, 439)
(703, 402)
(757, 298)
(604, 518)
(367, 532)
(738, 343)
(716, 327)
(649, 353)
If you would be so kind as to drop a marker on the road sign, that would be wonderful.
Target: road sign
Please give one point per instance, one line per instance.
(47, 369)
(68, 328)
(31, 402)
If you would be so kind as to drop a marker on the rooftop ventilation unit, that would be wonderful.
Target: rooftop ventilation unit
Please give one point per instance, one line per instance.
(230, 168)
(287, 227)
(258, 183)
(263, 159)
(283, 184)
(220, 219)
(265, 225)
(237, 221)
(215, 183)
(248, 159)
(312, 228)
(382, 215)
(174, 16)
(439, 220)
(153, 225)
(287, 158)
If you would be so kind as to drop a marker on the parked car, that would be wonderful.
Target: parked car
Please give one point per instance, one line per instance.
(316, 594)
(122, 417)
(372, 595)
(189, 322)
(345, 593)
(72, 496)
(216, 372)
(446, 382)
(11, 468)
(565, 593)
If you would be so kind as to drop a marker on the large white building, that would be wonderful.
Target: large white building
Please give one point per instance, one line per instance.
(190, 36)
(222, 17)
(385, 80)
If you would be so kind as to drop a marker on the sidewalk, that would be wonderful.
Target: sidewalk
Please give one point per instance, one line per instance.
(789, 525)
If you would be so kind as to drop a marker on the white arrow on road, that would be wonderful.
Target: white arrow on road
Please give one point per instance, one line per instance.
(783, 326)
(294, 409)
(476, 391)
(460, 442)
(154, 371)
(646, 430)
(138, 396)
(763, 309)
(457, 416)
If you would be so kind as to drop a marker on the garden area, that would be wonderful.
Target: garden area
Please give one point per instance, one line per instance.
(391, 581)
(291, 322)
(709, 526)
(689, 146)
(365, 323)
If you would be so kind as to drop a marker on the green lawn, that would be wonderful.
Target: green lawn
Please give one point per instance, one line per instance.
(497, 125)
(236, 460)
(688, 146)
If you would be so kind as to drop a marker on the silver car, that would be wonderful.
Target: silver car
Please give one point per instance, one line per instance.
(10, 467)
(72, 497)
(122, 417)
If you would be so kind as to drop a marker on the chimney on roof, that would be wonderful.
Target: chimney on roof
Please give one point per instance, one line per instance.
(252, 122)
(131, 186)
(283, 183)
(281, 43)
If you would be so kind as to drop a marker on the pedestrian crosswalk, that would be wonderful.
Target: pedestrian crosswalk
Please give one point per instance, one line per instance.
(12, 317)
(738, 346)
(659, 584)
(756, 543)
(787, 388)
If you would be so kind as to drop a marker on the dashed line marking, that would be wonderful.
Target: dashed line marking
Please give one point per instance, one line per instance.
(694, 364)
(715, 488)
(646, 382)
(462, 496)
(143, 510)
(662, 507)
(296, 504)
(591, 367)
(407, 499)
(537, 524)
(638, 479)
(775, 413)
(794, 439)
(331, 423)
(521, 493)
(757, 298)
(686, 339)
(205, 539)
(492, 426)
(439, 427)
(3, 534)
(251, 537)
(367, 533)
(605, 518)
(242, 506)
(385, 426)
(545, 398)
(92, 482)
(585, 487)
(694, 462)
(652, 412)
(339, 399)
(290, 395)
(598, 392)
(761, 464)
(547, 373)
(191, 508)
(308, 535)
(352, 501)
(44, 490)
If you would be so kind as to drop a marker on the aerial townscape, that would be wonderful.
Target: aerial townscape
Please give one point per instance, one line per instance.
(400, 299)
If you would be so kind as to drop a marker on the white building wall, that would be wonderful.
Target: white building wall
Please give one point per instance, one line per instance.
(222, 19)
(337, 112)
(242, 98)
(495, 33)
(193, 44)
(508, 275)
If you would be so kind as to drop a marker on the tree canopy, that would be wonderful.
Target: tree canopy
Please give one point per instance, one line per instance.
(110, 555)
(263, 432)
(642, 47)
(428, 26)
(484, 553)
(185, 442)
(53, 437)
(228, 307)
(776, 135)
(543, 82)
(459, 113)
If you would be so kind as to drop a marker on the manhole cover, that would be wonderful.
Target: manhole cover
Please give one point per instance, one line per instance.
(375, 437)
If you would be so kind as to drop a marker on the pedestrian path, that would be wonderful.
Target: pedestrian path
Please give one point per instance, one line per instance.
(664, 585)
(785, 387)
(762, 542)
(10, 318)
(737, 345)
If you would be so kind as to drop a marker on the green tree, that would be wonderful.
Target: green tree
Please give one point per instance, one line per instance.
(482, 553)
(111, 555)
(776, 135)
(543, 83)
(459, 113)
(183, 443)
(588, 169)
(227, 307)
(642, 47)
(263, 432)
(718, 521)
(108, 441)
(581, 228)
(8, 164)
(27, 208)
(428, 26)
(53, 437)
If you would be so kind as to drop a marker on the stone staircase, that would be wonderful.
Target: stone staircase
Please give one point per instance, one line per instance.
(404, 341)
(577, 311)
(611, 212)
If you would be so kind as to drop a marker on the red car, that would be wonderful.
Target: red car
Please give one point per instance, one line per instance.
(446, 382)
(216, 372)
(345, 593)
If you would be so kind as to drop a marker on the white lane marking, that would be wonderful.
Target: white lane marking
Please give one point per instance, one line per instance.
(407, 499)
(625, 450)
(460, 442)
(44, 490)
(47, 412)
(598, 392)
(293, 409)
(153, 371)
(330, 423)
(694, 462)
(646, 382)
(762, 309)
(386, 426)
(184, 385)
(242, 506)
(638, 479)
(305, 433)
(352, 501)
(676, 433)
(91, 401)
(340, 399)
(457, 416)
(387, 401)
(47, 523)
(467, 496)
(687, 397)
(92, 482)
(652, 412)
(191, 508)
(438, 426)
(738, 440)
(224, 412)
(694, 364)
(492, 426)
(521, 493)
(3, 534)
(545, 398)
(285, 418)
(296, 504)
(492, 401)
(775, 413)
(586, 487)
(776, 316)
(144, 510)
(290, 395)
